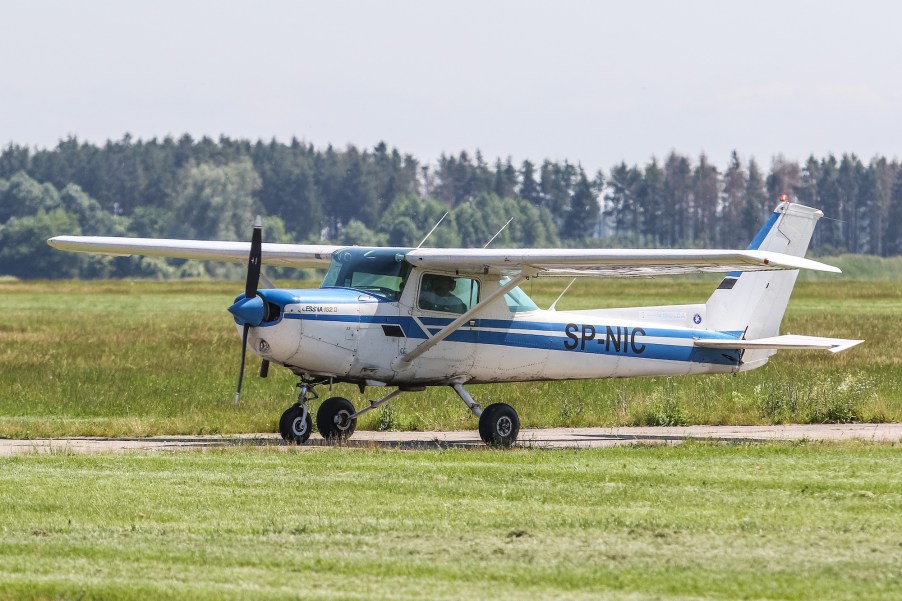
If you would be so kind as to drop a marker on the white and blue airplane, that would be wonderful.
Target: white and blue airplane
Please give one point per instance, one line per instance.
(408, 318)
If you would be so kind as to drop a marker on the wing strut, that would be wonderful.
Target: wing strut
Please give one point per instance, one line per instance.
(452, 327)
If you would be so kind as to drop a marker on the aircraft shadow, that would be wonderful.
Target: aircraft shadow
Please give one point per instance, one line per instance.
(573, 440)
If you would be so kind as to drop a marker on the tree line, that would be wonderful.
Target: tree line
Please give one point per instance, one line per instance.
(210, 189)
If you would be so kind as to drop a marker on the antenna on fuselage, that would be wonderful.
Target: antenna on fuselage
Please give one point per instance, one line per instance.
(554, 304)
(433, 229)
(498, 232)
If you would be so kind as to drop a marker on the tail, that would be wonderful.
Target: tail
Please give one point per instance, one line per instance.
(751, 304)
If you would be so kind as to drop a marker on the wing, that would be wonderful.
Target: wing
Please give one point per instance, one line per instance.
(279, 255)
(607, 262)
(564, 262)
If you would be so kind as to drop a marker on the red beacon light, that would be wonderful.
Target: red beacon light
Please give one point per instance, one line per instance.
(784, 198)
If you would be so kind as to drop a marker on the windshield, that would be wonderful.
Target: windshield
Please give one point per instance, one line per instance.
(381, 271)
(517, 300)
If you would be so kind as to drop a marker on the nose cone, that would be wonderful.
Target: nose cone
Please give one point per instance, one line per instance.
(248, 311)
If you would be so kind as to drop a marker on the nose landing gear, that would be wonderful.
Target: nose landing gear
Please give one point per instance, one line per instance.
(296, 425)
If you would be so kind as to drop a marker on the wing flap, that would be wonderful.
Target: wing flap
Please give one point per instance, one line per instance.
(279, 255)
(788, 341)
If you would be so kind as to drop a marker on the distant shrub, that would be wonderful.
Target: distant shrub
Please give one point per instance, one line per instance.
(665, 412)
(843, 405)
(830, 399)
(388, 419)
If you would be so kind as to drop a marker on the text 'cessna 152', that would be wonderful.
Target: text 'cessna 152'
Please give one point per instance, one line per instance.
(416, 317)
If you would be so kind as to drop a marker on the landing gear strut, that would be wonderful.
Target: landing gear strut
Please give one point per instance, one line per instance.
(499, 423)
(296, 425)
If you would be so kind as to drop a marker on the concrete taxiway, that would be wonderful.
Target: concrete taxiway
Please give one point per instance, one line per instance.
(573, 438)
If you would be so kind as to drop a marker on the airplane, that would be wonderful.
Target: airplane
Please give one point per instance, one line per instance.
(409, 318)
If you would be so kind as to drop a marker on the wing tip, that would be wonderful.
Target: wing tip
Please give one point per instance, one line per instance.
(845, 345)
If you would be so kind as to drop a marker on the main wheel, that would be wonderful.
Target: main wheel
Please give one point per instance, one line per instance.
(294, 426)
(499, 425)
(333, 419)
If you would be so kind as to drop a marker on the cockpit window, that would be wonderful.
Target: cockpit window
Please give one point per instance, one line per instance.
(380, 271)
(517, 300)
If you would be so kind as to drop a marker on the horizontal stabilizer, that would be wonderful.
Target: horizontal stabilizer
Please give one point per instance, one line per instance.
(788, 341)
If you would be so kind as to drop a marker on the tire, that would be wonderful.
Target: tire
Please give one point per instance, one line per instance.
(499, 425)
(293, 428)
(333, 419)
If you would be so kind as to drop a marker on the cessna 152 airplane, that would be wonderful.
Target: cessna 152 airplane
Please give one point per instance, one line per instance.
(415, 317)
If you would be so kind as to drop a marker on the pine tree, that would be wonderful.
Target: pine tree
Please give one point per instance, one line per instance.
(582, 215)
(733, 200)
(529, 188)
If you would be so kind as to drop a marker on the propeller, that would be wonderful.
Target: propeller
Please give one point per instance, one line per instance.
(250, 309)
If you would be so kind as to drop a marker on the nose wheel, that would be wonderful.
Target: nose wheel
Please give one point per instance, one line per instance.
(296, 425)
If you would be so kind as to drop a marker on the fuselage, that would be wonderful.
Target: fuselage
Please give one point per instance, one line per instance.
(357, 335)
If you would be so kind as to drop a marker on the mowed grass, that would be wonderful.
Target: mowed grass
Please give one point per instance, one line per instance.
(143, 358)
(788, 521)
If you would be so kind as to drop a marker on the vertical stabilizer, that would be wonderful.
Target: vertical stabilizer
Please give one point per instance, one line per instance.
(752, 304)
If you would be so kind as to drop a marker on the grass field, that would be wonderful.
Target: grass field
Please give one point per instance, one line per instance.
(778, 521)
(794, 521)
(142, 358)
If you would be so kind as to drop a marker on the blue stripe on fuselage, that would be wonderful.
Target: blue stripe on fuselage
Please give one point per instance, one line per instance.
(518, 339)
(599, 345)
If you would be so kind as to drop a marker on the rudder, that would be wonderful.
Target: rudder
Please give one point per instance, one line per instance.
(752, 304)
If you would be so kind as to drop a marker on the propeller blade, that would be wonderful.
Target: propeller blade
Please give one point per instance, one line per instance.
(247, 329)
(254, 260)
(250, 292)
(264, 368)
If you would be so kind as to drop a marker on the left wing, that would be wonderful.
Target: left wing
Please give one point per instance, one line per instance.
(279, 255)
(622, 263)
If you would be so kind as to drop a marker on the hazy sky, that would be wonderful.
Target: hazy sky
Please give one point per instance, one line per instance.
(591, 82)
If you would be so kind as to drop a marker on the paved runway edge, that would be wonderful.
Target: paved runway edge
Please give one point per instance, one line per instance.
(572, 438)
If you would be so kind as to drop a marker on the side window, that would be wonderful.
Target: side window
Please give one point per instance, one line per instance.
(517, 300)
(447, 293)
